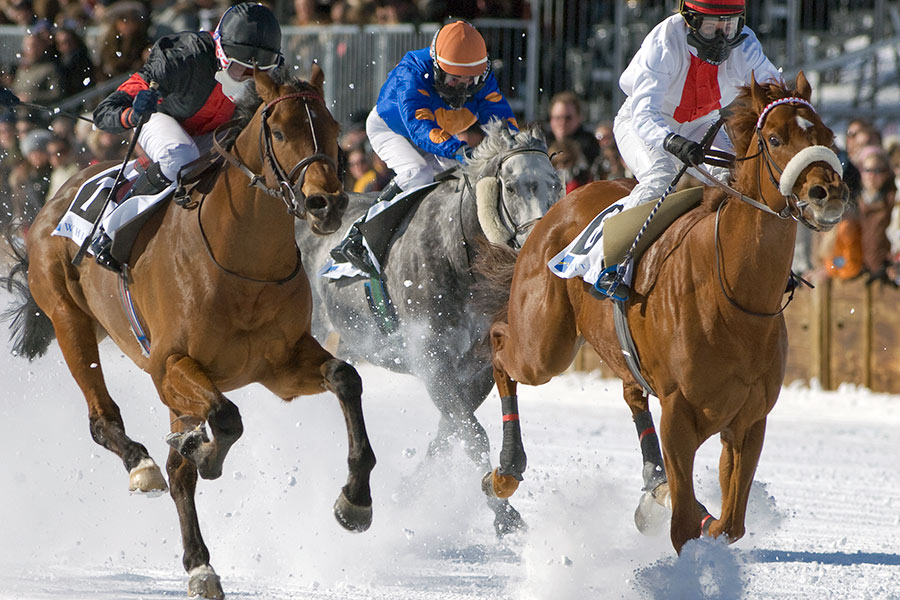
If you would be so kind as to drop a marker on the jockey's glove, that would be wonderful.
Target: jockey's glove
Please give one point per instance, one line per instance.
(688, 151)
(8, 99)
(144, 104)
(463, 154)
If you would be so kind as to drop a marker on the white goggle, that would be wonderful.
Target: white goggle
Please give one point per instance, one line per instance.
(239, 70)
(707, 27)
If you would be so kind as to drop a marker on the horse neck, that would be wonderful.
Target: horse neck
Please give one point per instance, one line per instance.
(756, 250)
(248, 230)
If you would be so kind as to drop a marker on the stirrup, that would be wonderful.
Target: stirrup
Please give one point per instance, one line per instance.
(101, 246)
(609, 285)
(351, 250)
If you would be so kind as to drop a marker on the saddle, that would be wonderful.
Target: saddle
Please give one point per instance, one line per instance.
(197, 176)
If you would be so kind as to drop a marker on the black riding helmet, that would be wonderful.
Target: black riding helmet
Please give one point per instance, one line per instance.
(249, 34)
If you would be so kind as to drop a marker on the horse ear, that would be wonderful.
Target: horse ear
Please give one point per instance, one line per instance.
(265, 86)
(758, 93)
(803, 87)
(317, 78)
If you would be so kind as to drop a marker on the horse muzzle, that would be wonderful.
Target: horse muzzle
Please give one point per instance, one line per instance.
(823, 205)
(325, 212)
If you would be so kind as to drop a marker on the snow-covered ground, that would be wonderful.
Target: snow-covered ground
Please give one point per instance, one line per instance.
(823, 523)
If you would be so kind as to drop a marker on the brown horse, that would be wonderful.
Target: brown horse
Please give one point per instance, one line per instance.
(704, 314)
(223, 298)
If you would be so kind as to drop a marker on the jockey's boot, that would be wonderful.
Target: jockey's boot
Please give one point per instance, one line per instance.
(100, 247)
(351, 249)
(609, 285)
(148, 183)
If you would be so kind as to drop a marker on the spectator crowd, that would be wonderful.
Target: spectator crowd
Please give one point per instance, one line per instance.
(40, 150)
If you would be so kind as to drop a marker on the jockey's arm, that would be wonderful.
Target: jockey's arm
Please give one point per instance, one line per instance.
(491, 104)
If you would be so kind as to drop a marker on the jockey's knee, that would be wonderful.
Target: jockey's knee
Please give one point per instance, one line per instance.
(176, 157)
(414, 178)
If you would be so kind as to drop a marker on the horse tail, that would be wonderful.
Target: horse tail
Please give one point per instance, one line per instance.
(31, 330)
(495, 265)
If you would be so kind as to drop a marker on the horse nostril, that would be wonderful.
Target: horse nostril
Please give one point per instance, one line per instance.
(818, 192)
(342, 202)
(316, 203)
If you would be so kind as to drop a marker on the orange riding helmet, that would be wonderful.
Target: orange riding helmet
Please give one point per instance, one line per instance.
(459, 51)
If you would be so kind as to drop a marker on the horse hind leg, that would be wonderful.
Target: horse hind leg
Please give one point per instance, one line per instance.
(77, 339)
(194, 399)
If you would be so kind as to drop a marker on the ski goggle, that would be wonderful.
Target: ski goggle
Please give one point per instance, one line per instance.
(708, 26)
(240, 70)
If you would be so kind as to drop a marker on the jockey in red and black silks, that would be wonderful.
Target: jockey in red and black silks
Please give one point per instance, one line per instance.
(190, 102)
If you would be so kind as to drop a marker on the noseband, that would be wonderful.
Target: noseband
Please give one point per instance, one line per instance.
(288, 190)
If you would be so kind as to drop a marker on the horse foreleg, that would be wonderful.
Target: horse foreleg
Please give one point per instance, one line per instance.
(203, 580)
(737, 466)
(78, 342)
(194, 398)
(312, 369)
(680, 441)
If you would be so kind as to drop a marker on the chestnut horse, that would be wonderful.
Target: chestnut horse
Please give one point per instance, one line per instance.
(222, 296)
(704, 315)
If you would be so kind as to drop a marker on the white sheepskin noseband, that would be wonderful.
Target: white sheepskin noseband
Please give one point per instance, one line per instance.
(803, 159)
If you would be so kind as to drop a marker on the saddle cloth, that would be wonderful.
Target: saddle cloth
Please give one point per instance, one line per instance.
(401, 203)
(82, 213)
(608, 237)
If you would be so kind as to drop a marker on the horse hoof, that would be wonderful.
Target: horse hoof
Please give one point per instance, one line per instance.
(352, 517)
(650, 516)
(507, 520)
(146, 478)
(495, 485)
(204, 583)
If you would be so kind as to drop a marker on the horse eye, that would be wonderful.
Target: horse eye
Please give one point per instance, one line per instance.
(774, 141)
(278, 136)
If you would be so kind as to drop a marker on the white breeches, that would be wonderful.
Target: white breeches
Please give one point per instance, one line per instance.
(412, 167)
(164, 141)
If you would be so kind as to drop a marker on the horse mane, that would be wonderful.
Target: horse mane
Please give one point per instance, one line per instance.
(497, 142)
(742, 115)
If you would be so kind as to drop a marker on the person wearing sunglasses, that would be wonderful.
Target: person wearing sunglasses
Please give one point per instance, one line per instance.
(431, 96)
(688, 67)
(190, 102)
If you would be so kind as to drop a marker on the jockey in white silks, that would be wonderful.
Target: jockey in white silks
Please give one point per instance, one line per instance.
(687, 68)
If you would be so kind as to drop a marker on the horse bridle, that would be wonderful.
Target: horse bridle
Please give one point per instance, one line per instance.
(793, 206)
(503, 211)
(288, 190)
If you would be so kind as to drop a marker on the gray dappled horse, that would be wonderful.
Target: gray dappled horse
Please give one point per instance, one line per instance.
(440, 338)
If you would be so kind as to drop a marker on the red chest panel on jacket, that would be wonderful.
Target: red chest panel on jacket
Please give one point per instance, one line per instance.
(701, 93)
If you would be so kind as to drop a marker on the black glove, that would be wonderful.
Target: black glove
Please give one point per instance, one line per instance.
(144, 104)
(690, 152)
(8, 99)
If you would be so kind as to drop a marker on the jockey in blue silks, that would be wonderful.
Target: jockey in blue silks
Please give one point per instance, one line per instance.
(430, 96)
